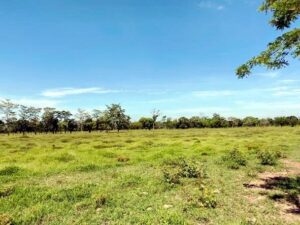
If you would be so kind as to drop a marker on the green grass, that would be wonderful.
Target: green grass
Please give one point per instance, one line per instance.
(120, 178)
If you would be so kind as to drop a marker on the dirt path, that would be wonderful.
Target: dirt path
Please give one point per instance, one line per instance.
(286, 183)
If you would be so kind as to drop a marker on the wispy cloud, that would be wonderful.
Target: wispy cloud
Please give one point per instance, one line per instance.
(61, 92)
(288, 81)
(273, 74)
(269, 106)
(214, 93)
(209, 4)
(288, 92)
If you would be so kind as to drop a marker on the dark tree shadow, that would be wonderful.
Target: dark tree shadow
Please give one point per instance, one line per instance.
(289, 187)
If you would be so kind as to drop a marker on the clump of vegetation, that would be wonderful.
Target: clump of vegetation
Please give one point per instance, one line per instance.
(73, 194)
(123, 159)
(101, 201)
(65, 157)
(5, 220)
(191, 170)
(87, 168)
(207, 197)
(268, 158)
(6, 191)
(182, 169)
(171, 177)
(234, 159)
(9, 170)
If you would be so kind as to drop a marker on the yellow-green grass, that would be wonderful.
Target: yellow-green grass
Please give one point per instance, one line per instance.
(118, 178)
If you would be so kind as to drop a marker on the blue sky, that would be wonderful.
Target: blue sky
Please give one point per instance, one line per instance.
(178, 56)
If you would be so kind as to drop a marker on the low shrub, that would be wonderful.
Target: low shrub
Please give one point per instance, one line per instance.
(101, 201)
(207, 198)
(234, 159)
(191, 170)
(171, 177)
(268, 158)
(181, 168)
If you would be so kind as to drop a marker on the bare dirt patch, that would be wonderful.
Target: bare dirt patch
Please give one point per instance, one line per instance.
(283, 187)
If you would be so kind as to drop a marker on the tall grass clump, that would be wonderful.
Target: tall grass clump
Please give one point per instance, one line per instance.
(234, 159)
(9, 170)
(182, 168)
(268, 158)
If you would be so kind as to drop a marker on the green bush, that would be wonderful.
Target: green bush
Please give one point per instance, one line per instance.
(101, 201)
(268, 158)
(191, 170)
(181, 168)
(171, 177)
(234, 159)
(207, 198)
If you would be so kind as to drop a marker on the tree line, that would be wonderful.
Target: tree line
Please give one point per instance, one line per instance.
(22, 119)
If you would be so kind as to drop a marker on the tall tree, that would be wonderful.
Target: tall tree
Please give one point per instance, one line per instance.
(63, 117)
(147, 123)
(155, 114)
(116, 117)
(284, 14)
(34, 117)
(24, 117)
(7, 109)
(50, 120)
(81, 116)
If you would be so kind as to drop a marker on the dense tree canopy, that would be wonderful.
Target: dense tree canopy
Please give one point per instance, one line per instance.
(284, 14)
(24, 119)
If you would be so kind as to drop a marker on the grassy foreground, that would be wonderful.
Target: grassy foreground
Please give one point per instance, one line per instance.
(141, 177)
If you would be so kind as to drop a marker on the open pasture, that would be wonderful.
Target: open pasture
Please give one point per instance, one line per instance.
(196, 176)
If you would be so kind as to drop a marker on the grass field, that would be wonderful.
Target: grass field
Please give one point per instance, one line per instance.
(145, 177)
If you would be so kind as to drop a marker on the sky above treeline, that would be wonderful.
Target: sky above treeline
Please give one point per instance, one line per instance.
(178, 56)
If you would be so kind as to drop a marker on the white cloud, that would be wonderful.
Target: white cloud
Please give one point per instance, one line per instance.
(214, 93)
(209, 4)
(61, 92)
